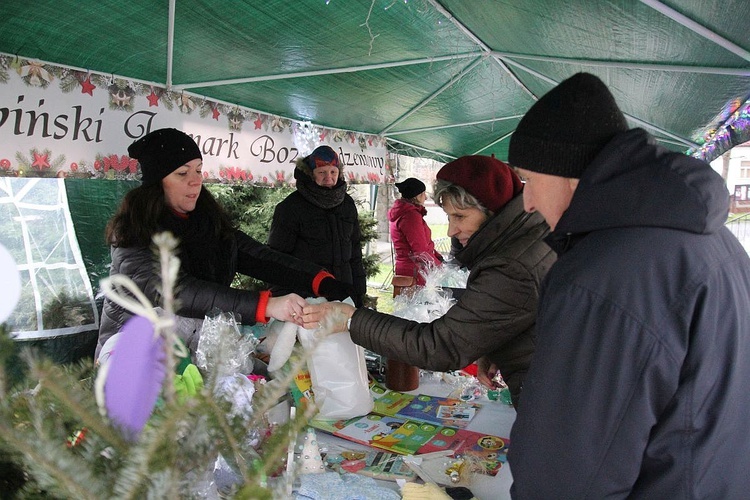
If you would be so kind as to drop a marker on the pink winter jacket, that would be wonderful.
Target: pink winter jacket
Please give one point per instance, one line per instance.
(412, 240)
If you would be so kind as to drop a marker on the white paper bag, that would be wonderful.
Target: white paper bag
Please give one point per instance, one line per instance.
(338, 373)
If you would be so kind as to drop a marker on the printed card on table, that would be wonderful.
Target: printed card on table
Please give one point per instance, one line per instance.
(378, 464)
(441, 411)
(411, 437)
(301, 389)
(391, 402)
(330, 426)
(408, 438)
(370, 429)
(489, 451)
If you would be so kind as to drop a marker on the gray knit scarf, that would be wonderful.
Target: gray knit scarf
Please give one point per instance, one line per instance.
(320, 196)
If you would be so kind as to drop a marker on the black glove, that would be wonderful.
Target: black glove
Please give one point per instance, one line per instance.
(333, 289)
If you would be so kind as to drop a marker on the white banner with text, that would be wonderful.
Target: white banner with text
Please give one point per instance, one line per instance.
(62, 122)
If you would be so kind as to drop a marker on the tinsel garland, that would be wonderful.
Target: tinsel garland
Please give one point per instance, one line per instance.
(733, 131)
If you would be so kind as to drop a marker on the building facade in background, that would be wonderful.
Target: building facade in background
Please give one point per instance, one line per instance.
(734, 166)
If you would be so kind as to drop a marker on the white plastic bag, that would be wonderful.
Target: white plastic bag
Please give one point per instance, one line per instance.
(338, 373)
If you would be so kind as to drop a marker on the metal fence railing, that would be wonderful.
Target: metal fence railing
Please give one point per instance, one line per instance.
(443, 245)
(740, 227)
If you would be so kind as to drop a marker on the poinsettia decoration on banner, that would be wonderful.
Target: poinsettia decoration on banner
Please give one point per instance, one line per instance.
(282, 179)
(235, 174)
(259, 120)
(114, 166)
(153, 97)
(83, 82)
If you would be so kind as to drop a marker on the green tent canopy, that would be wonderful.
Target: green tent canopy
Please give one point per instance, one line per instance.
(436, 78)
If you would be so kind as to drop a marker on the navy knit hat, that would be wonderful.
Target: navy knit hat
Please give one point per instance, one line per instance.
(161, 152)
(565, 129)
(411, 187)
(322, 155)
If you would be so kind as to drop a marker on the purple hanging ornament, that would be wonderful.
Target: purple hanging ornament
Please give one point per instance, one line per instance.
(134, 377)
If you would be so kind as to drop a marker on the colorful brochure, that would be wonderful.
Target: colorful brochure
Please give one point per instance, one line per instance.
(433, 409)
(490, 452)
(440, 411)
(378, 464)
(397, 434)
(369, 429)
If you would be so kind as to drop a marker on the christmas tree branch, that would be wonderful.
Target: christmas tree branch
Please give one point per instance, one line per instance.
(52, 379)
(219, 416)
(156, 450)
(54, 467)
(169, 265)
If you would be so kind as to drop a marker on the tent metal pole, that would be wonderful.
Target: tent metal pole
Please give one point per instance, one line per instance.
(331, 71)
(455, 125)
(500, 139)
(170, 43)
(458, 24)
(697, 28)
(687, 143)
(629, 65)
(439, 91)
(419, 148)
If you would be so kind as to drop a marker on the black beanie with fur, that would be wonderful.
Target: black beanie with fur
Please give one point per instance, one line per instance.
(565, 129)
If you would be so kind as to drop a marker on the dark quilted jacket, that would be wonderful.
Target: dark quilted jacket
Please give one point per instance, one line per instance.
(494, 317)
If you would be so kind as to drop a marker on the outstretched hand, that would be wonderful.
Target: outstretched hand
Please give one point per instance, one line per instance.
(486, 372)
(329, 317)
(286, 308)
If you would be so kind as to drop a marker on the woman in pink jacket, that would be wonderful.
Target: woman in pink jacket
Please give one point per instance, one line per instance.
(411, 237)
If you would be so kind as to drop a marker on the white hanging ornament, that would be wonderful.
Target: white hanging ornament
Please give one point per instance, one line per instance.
(310, 459)
(306, 137)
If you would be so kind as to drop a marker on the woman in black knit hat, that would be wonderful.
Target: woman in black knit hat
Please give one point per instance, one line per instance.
(319, 222)
(172, 198)
(410, 234)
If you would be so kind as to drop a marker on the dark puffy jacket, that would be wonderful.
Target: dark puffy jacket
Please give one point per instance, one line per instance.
(494, 317)
(195, 296)
(329, 237)
(638, 387)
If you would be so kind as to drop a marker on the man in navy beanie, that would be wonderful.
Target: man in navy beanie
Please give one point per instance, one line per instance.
(638, 386)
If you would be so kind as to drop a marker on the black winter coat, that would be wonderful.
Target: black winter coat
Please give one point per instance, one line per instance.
(204, 283)
(329, 237)
(638, 387)
(494, 317)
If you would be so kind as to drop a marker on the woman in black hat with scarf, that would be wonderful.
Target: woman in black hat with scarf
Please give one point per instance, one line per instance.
(319, 223)
(172, 198)
(410, 234)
